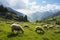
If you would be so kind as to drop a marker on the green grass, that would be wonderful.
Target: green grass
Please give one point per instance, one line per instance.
(29, 33)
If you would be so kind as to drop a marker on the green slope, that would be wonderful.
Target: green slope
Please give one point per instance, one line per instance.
(52, 20)
(29, 33)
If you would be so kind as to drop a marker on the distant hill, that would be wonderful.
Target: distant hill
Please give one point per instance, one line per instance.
(56, 14)
(17, 13)
(54, 19)
(40, 15)
(43, 15)
(11, 14)
(53, 15)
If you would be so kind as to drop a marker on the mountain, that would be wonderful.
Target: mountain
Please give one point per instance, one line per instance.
(11, 14)
(43, 15)
(52, 20)
(21, 16)
(14, 11)
(53, 15)
(39, 15)
(56, 14)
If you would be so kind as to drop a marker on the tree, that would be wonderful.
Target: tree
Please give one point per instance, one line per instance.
(25, 18)
(20, 18)
(3, 10)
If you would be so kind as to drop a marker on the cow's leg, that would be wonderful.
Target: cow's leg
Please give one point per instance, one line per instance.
(22, 31)
(42, 30)
(36, 30)
(12, 30)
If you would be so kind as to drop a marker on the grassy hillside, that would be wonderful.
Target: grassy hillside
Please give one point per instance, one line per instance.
(29, 33)
(52, 20)
(10, 14)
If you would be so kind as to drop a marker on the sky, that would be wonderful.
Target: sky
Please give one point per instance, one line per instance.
(32, 6)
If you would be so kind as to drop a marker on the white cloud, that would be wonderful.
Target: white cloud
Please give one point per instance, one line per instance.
(12, 2)
(25, 11)
(27, 7)
(52, 7)
(36, 8)
(25, 1)
(4, 2)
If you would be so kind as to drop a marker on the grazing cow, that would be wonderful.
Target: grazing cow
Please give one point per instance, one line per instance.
(26, 26)
(46, 27)
(58, 26)
(38, 28)
(51, 26)
(16, 27)
(57, 31)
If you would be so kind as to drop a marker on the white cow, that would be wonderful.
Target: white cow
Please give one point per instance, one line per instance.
(16, 27)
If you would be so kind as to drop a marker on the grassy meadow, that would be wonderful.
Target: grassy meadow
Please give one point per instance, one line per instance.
(29, 33)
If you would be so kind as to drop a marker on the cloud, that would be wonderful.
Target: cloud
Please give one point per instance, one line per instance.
(49, 7)
(25, 1)
(27, 7)
(36, 8)
(11, 2)
(30, 8)
(25, 11)
(4, 2)
(16, 4)
(33, 7)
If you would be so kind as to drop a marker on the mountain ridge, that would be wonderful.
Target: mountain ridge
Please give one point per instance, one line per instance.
(41, 16)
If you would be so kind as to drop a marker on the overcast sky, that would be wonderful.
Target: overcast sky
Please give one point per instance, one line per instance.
(32, 6)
